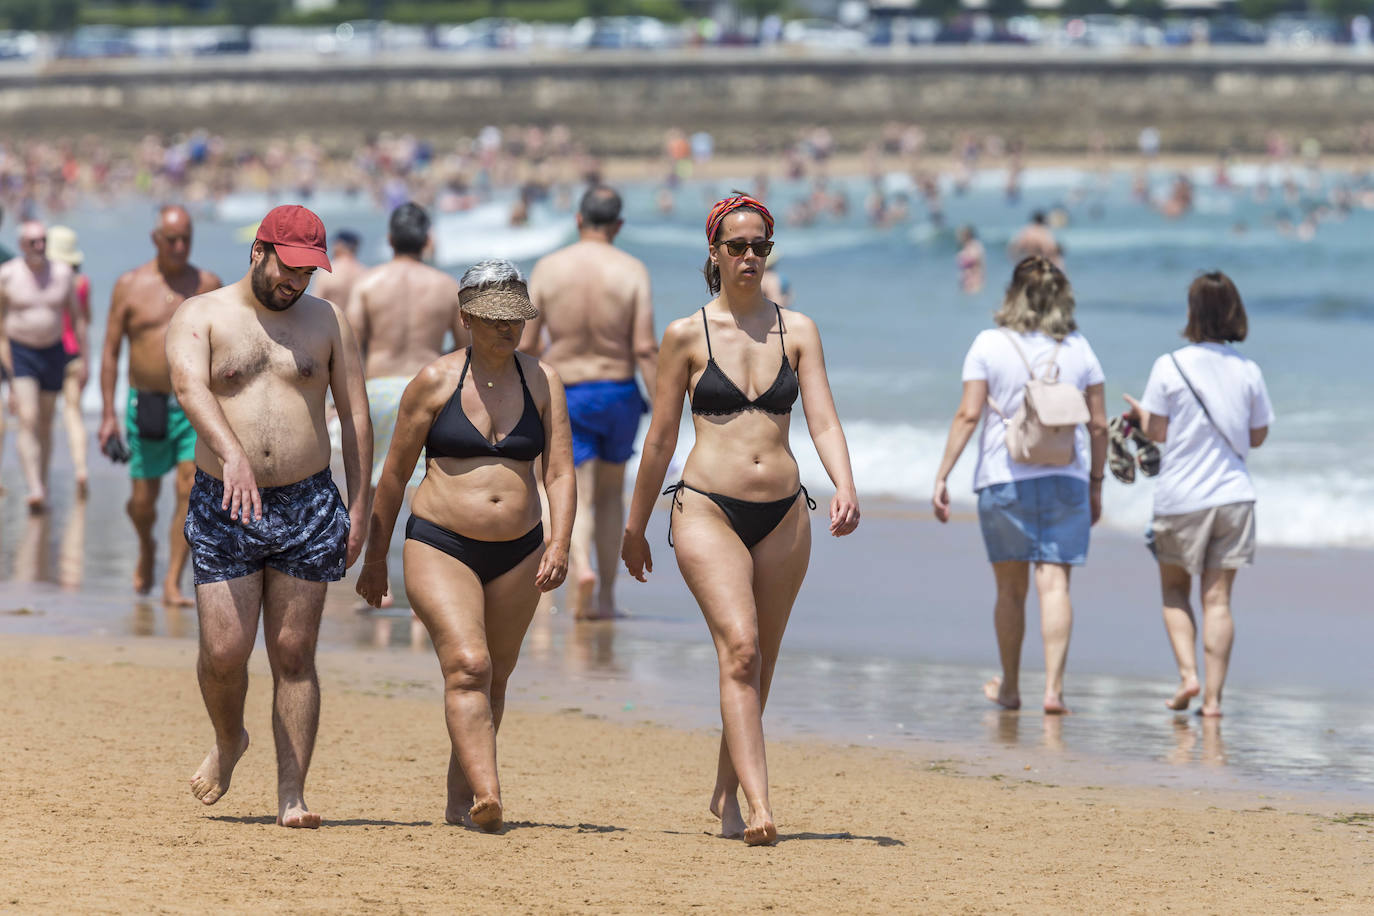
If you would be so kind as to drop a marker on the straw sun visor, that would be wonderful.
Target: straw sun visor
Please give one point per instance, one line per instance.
(499, 302)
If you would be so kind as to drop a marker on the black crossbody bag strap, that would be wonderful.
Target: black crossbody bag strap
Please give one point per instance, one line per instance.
(1205, 412)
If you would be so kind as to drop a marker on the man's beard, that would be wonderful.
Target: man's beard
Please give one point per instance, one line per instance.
(266, 294)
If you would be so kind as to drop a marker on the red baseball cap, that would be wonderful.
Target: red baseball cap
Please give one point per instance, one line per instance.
(298, 236)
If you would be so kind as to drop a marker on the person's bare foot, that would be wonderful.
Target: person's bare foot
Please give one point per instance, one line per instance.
(1186, 691)
(1007, 699)
(211, 781)
(83, 488)
(388, 600)
(486, 814)
(37, 504)
(143, 568)
(458, 812)
(1209, 712)
(760, 830)
(172, 596)
(1054, 705)
(580, 597)
(292, 812)
(726, 807)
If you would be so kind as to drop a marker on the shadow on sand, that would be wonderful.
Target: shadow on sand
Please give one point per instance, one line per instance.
(880, 840)
(327, 822)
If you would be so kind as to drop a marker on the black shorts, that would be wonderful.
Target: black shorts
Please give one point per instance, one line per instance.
(303, 532)
(46, 364)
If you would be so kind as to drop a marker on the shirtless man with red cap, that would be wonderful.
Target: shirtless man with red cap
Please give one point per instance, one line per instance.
(251, 363)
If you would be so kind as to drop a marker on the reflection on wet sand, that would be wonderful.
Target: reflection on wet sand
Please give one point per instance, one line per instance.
(1187, 730)
(143, 621)
(1004, 726)
(71, 550)
(32, 555)
(591, 647)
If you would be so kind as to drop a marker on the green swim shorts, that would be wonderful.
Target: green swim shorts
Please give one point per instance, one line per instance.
(155, 457)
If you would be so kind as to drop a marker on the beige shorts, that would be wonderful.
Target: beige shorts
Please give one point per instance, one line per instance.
(1222, 537)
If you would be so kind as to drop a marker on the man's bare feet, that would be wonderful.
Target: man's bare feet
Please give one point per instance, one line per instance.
(1187, 689)
(1007, 699)
(486, 814)
(293, 813)
(1054, 706)
(726, 807)
(760, 830)
(143, 569)
(172, 595)
(211, 781)
(580, 596)
(458, 812)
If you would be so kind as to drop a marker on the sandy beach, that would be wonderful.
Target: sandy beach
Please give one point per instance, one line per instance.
(606, 814)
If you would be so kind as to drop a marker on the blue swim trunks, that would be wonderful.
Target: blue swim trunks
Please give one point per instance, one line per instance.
(605, 420)
(303, 532)
(1041, 520)
(47, 365)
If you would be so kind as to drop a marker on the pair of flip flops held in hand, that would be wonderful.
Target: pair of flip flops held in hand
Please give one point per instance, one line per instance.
(1123, 435)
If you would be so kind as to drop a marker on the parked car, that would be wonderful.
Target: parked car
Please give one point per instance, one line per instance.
(91, 41)
(491, 32)
(17, 45)
(823, 35)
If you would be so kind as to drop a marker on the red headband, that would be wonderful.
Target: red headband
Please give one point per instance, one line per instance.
(724, 208)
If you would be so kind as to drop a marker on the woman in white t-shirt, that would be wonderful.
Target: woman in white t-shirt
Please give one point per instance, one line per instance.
(1209, 407)
(1030, 513)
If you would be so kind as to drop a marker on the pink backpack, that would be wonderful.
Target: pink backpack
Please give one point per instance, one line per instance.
(1043, 427)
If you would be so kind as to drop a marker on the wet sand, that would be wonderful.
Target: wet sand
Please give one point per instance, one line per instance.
(95, 815)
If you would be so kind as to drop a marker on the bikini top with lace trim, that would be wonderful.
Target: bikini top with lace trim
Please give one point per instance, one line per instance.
(716, 395)
(454, 436)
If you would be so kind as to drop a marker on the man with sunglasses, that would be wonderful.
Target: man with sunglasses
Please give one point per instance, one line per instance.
(35, 292)
(595, 307)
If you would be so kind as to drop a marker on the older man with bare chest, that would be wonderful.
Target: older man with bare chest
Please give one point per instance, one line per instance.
(35, 292)
(161, 438)
(251, 364)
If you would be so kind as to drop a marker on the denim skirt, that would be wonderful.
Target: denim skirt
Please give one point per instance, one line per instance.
(1041, 520)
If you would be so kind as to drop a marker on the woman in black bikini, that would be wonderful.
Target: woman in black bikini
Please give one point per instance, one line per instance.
(475, 560)
(739, 518)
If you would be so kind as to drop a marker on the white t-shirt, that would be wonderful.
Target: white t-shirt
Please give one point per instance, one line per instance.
(993, 359)
(1200, 470)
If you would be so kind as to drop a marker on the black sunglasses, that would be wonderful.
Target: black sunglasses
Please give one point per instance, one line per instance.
(737, 247)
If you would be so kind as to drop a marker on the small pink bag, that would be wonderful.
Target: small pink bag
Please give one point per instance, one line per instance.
(1043, 427)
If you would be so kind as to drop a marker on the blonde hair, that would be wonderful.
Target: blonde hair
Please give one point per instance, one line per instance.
(1038, 298)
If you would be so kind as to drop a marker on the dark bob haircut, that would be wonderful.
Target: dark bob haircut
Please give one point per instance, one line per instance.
(1215, 311)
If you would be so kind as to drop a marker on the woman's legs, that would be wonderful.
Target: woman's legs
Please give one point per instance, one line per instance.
(720, 572)
(76, 426)
(1056, 622)
(1175, 585)
(450, 600)
(1218, 634)
(1009, 618)
(780, 563)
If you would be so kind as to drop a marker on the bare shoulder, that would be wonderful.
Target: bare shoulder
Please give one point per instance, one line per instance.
(795, 322)
(682, 330)
(539, 375)
(207, 280)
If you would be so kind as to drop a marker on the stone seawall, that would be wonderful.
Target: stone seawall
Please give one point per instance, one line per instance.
(621, 103)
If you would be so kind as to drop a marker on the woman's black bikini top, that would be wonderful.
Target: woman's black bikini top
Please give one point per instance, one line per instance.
(454, 436)
(717, 396)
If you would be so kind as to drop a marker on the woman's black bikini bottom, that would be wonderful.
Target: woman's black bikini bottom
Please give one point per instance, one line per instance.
(489, 559)
(752, 521)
